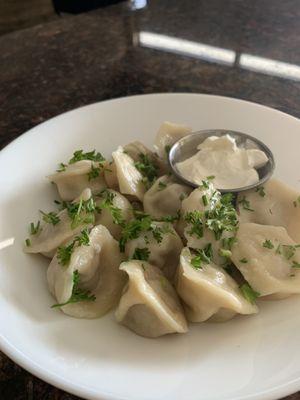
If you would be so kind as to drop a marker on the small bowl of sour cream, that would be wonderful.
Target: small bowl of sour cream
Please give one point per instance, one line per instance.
(234, 160)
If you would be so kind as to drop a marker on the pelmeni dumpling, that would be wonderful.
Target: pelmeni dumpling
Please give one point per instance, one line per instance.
(209, 219)
(129, 178)
(51, 235)
(76, 177)
(113, 210)
(209, 293)
(201, 199)
(274, 204)
(162, 245)
(167, 135)
(165, 197)
(149, 305)
(98, 280)
(268, 259)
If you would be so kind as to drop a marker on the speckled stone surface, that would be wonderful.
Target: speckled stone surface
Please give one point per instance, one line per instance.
(58, 66)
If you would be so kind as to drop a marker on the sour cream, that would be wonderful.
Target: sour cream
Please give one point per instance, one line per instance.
(231, 166)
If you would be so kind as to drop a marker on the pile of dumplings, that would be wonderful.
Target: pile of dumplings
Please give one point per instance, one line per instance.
(128, 236)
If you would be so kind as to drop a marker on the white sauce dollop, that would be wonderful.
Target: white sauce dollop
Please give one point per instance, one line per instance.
(231, 166)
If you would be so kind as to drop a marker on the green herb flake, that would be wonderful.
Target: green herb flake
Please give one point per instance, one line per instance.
(182, 196)
(78, 295)
(161, 186)
(147, 168)
(50, 218)
(203, 256)
(245, 204)
(243, 260)
(141, 254)
(295, 264)
(204, 200)
(250, 294)
(79, 155)
(94, 173)
(268, 244)
(28, 242)
(210, 177)
(225, 253)
(64, 253)
(34, 229)
(195, 219)
(62, 167)
(261, 191)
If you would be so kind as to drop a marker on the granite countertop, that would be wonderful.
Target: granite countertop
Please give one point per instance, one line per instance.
(112, 52)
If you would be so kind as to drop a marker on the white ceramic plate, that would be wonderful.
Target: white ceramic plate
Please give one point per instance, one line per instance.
(254, 357)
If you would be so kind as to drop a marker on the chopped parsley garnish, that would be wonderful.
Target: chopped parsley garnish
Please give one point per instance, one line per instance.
(210, 177)
(147, 168)
(28, 242)
(203, 256)
(163, 282)
(78, 295)
(79, 155)
(244, 260)
(161, 185)
(183, 196)
(222, 217)
(94, 173)
(227, 243)
(143, 223)
(64, 253)
(204, 200)
(107, 203)
(261, 191)
(141, 254)
(250, 294)
(80, 213)
(34, 229)
(61, 167)
(295, 264)
(268, 244)
(245, 204)
(170, 218)
(50, 218)
(225, 253)
(195, 219)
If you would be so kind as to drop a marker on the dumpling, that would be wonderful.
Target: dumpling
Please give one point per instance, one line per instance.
(165, 197)
(57, 228)
(268, 259)
(167, 135)
(160, 245)
(129, 177)
(201, 199)
(113, 210)
(149, 305)
(89, 280)
(75, 177)
(208, 292)
(207, 218)
(273, 204)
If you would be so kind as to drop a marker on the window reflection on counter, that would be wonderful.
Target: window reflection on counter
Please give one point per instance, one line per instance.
(217, 55)
(186, 47)
(270, 67)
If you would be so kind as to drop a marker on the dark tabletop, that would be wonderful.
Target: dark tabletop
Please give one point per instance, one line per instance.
(244, 49)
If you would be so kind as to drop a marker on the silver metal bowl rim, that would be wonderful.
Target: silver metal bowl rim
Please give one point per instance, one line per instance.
(260, 144)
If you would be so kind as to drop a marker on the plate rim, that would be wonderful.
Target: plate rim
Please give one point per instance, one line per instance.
(60, 382)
